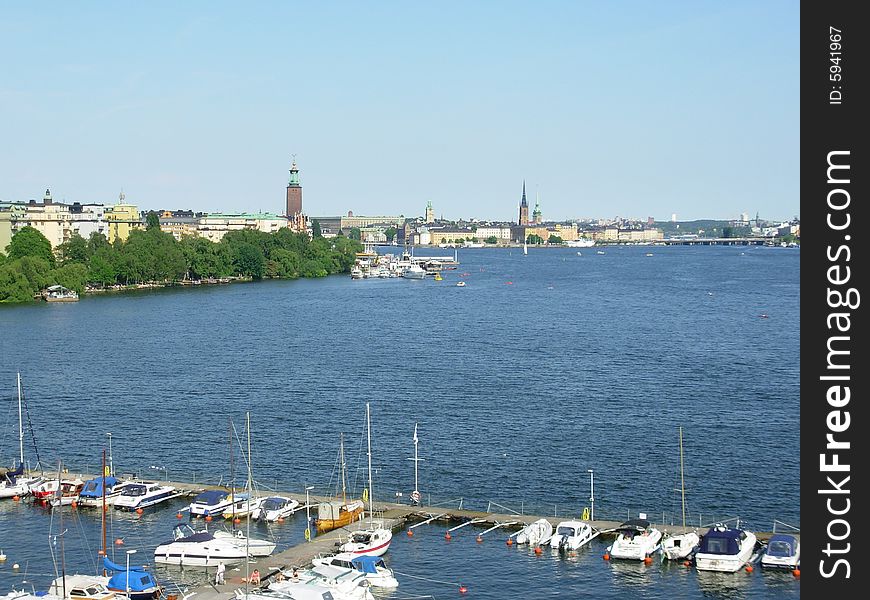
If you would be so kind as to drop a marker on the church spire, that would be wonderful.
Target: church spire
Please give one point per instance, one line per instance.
(523, 202)
(524, 208)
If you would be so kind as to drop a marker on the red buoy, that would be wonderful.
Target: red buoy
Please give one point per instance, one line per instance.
(74, 504)
(447, 536)
(647, 560)
(178, 515)
(462, 589)
(687, 564)
(208, 518)
(796, 572)
(479, 539)
(749, 569)
(280, 519)
(606, 557)
(410, 533)
(510, 542)
(538, 550)
(139, 511)
(237, 520)
(119, 542)
(16, 498)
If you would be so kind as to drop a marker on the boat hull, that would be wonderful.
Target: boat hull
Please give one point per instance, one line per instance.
(346, 518)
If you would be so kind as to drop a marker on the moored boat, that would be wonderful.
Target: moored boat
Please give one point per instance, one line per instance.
(636, 539)
(536, 532)
(197, 549)
(373, 567)
(81, 587)
(92, 492)
(58, 293)
(210, 503)
(724, 549)
(274, 508)
(142, 494)
(679, 546)
(783, 552)
(571, 535)
(140, 583)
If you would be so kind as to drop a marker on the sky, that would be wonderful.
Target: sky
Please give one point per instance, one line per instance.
(604, 109)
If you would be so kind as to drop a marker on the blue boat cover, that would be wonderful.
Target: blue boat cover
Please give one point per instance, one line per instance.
(210, 497)
(11, 475)
(138, 579)
(93, 488)
(782, 545)
(368, 564)
(721, 541)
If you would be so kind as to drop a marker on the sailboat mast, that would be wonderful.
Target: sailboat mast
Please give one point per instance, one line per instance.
(232, 472)
(341, 460)
(59, 497)
(369, 432)
(416, 487)
(103, 515)
(682, 479)
(250, 491)
(20, 424)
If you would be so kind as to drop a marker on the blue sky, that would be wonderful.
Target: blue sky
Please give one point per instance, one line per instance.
(603, 108)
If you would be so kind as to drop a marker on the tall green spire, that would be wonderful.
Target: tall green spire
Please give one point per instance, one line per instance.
(294, 173)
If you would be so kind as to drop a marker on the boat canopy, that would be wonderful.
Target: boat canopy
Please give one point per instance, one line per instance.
(11, 475)
(274, 503)
(722, 541)
(635, 525)
(138, 580)
(368, 564)
(782, 545)
(94, 487)
(210, 496)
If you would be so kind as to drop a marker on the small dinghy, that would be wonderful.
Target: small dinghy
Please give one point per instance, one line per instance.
(535, 533)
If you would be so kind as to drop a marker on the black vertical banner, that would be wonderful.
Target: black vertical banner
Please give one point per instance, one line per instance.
(834, 170)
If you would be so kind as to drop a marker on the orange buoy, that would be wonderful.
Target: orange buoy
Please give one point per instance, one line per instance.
(538, 550)
(237, 520)
(647, 560)
(462, 589)
(687, 564)
(410, 533)
(280, 519)
(16, 498)
(479, 539)
(447, 536)
(606, 557)
(510, 542)
(208, 518)
(74, 504)
(119, 542)
(796, 572)
(139, 511)
(178, 516)
(749, 569)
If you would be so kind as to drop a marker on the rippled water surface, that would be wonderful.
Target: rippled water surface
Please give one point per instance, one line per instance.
(540, 368)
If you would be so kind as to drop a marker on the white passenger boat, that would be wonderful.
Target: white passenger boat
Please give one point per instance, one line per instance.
(725, 549)
(274, 508)
(256, 547)
(581, 243)
(339, 582)
(636, 539)
(210, 503)
(142, 494)
(414, 271)
(197, 549)
(783, 552)
(534, 533)
(571, 535)
(373, 567)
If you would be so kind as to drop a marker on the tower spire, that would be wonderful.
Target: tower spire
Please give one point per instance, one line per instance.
(524, 208)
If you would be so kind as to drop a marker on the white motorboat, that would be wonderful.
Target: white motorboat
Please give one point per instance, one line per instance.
(571, 535)
(243, 506)
(724, 549)
(274, 508)
(679, 546)
(210, 503)
(414, 271)
(92, 492)
(534, 533)
(69, 492)
(636, 539)
(581, 243)
(142, 494)
(22, 595)
(374, 568)
(342, 583)
(198, 549)
(84, 587)
(783, 552)
(256, 547)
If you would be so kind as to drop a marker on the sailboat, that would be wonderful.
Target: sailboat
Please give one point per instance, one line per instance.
(525, 248)
(338, 513)
(16, 483)
(375, 539)
(415, 495)
(678, 546)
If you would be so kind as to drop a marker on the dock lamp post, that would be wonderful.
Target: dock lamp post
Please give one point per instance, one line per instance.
(165, 472)
(591, 494)
(308, 514)
(129, 552)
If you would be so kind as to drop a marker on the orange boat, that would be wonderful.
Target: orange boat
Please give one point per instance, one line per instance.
(338, 513)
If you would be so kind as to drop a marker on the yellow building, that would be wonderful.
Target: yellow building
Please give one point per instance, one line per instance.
(215, 226)
(10, 214)
(121, 219)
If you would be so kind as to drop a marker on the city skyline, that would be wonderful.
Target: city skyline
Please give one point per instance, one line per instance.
(677, 108)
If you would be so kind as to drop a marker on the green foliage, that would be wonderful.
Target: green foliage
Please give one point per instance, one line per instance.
(28, 241)
(491, 240)
(315, 229)
(390, 232)
(355, 234)
(73, 276)
(554, 239)
(74, 251)
(152, 221)
(534, 238)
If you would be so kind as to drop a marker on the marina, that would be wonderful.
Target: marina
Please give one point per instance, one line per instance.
(492, 431)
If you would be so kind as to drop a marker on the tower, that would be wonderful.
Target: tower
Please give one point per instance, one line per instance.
(294, 192)
(430, 213)
(537, 216)
(524, 208)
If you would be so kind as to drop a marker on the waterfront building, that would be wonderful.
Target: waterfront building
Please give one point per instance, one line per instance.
(329, 226)
(351, 221)
(215, 226)
(501, 234)
(10, 214)
(50, 219)
(451, 236)
(87, 219)
(524, 209)
(121, 219)
(179, 223)
(430, 213)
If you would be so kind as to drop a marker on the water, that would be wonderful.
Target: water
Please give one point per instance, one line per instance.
(540, 368)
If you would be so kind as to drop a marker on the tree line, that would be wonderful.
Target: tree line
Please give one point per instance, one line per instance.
(154, 256)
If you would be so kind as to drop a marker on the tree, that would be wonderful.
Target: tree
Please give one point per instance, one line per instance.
(75, 250)
(727, 232)
(152, 221)
(315, 229)
(491, 240)
(249, 260)
(554, 239)
(355, 234)
(534, 238)
(390, 233)
(28, 241)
